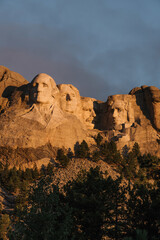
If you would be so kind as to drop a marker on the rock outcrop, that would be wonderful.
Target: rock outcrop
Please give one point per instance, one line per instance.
(36, 119)
(39, 114)
(134, 118)
(9, 82)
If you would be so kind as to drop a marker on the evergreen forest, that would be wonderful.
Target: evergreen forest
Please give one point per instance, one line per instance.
(93, 206)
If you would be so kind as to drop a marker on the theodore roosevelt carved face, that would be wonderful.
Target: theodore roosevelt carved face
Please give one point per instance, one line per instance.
(88, 113)
(43, 89)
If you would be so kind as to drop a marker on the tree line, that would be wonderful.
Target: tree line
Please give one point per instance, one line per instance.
(92, 206)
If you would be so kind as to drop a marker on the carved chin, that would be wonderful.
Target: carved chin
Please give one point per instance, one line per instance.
(41, 99)
(69, 108)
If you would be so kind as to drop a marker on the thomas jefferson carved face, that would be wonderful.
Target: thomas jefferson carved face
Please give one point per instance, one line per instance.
(69, 98)
(43, 89)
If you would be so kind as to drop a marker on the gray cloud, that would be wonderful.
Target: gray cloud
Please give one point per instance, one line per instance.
(101, 47)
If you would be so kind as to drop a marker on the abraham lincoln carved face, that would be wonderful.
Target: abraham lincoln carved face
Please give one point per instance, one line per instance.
(120, 110)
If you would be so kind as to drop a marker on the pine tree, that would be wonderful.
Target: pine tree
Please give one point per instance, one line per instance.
(50, 169)
(48, 217)
(62, 158)
(136, 150)
(82, 150)
(98, 139)
(98, 206)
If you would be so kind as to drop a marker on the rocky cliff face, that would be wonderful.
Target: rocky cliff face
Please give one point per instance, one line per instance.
(9, 82)
(39, 113)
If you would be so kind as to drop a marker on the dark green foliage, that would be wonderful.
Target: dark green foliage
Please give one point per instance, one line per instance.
(49, 169)
(95, 156)
(35, 172)
(82, 150)
(48, 217)
(97, 205)
(62, 158)
(116, 224)
(110, 153)
(12, 179)
(136, 150)
(70, 154)
(91, 207)
(148, 161)
(21, 199)
(140, 207)
(150, 165)
(27, 175)
(139, 235)
(98, 139)
(5, 223)
(130, 165)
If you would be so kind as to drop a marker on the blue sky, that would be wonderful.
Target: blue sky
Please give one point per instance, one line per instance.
(103, 47)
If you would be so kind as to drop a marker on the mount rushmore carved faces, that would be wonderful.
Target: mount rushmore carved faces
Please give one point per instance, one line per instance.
(119, 111)
(69, 98)
(43, 89)
(71, 102)
(154, 105)
(43, 92)
(88, 113)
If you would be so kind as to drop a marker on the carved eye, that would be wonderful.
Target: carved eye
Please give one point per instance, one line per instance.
(45, 85)
(118, 109)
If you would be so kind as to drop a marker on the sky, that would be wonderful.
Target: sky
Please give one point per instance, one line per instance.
(102, 47)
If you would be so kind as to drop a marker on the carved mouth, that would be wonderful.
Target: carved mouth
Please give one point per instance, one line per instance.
(90, 119)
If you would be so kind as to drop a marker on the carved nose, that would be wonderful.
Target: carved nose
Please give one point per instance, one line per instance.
(39, 88)
(93, 114)
(114, 113)
(68, 98)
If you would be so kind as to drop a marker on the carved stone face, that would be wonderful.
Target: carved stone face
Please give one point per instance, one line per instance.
(69, 98)
(88, 113)
(42, 89)
(155, 110)
(118, 112)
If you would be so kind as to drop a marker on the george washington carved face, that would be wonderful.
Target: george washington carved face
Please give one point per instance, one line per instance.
(43, 89)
